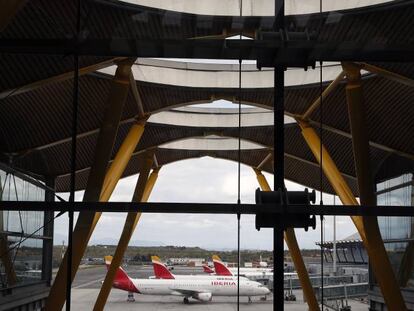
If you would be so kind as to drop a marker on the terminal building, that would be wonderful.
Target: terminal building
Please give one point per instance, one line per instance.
(92, 91)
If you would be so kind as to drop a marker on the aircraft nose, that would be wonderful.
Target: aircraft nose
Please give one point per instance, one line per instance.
(266, 291)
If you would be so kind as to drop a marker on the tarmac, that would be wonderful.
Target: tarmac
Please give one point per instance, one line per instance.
(88, 281)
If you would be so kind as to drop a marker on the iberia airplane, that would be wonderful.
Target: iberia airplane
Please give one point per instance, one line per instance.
(202, 289)
(221, 269)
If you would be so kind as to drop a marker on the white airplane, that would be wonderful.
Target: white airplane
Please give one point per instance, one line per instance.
(202, 289)
(254, 273)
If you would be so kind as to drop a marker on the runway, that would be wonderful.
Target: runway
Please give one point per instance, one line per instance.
(87, 283)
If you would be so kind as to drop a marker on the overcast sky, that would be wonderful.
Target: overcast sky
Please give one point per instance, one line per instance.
(201, 180)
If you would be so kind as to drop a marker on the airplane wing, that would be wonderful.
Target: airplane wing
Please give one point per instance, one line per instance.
(188, 292)
(201, 295)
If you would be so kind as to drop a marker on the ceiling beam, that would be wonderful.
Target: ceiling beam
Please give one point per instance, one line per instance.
(137, 96)
(314, 164)
(346, 134)
(387, 74)
(68, 139)
(324, 94)
(371, 143)
(265, 160)
(59, 78)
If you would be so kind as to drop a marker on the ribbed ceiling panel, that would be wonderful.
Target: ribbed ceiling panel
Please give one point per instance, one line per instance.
(21, 70)
(44, 115)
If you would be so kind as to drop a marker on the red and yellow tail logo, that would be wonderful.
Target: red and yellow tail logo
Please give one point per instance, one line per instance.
(220, 267)
(122, 280)
(160, 270)
(207, 269)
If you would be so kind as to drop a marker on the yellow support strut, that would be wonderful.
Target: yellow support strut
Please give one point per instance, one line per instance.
(372, 240)
(292, 243)
(142, 191)
(87, 221)
(150, 184)
(380, 263)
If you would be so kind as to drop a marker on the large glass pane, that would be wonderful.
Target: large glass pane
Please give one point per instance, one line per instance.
(27, 259)
(397, 232)
(20, 233)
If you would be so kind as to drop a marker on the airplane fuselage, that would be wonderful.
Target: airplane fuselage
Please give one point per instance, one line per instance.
(202, 276)
(219, 286)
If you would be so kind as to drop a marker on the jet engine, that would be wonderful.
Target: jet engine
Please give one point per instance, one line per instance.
(203, 296)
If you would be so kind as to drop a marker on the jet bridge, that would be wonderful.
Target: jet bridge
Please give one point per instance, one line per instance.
(336, 296)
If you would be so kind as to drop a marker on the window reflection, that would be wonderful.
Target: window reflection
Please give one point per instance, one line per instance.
(397, 232)
(21, 256)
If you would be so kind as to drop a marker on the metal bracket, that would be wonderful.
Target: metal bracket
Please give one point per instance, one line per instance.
(278, 216)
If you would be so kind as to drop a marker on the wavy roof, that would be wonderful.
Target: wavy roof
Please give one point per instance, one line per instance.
(36, 93)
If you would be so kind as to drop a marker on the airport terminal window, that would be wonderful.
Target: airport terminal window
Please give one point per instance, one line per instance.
(397, 232)
(21, 256)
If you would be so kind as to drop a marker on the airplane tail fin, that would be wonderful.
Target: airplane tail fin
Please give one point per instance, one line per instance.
(108, 260)
(220, 267)
(207, 269)
(160, 270)
(121, 280)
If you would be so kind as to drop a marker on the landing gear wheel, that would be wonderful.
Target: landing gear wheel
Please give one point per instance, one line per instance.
(186, 301)
(250, 300)
(130, 297)
(290, 297)
(263, 298)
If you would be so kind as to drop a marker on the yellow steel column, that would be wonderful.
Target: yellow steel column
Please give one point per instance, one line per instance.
(150, 184)
(262, 180)
(380, 262)
(331, 172)
(129, 227)
(96, 180)
(87, 221)
(121, 160)
(120, 86)
(375, 252)
(295, 253)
